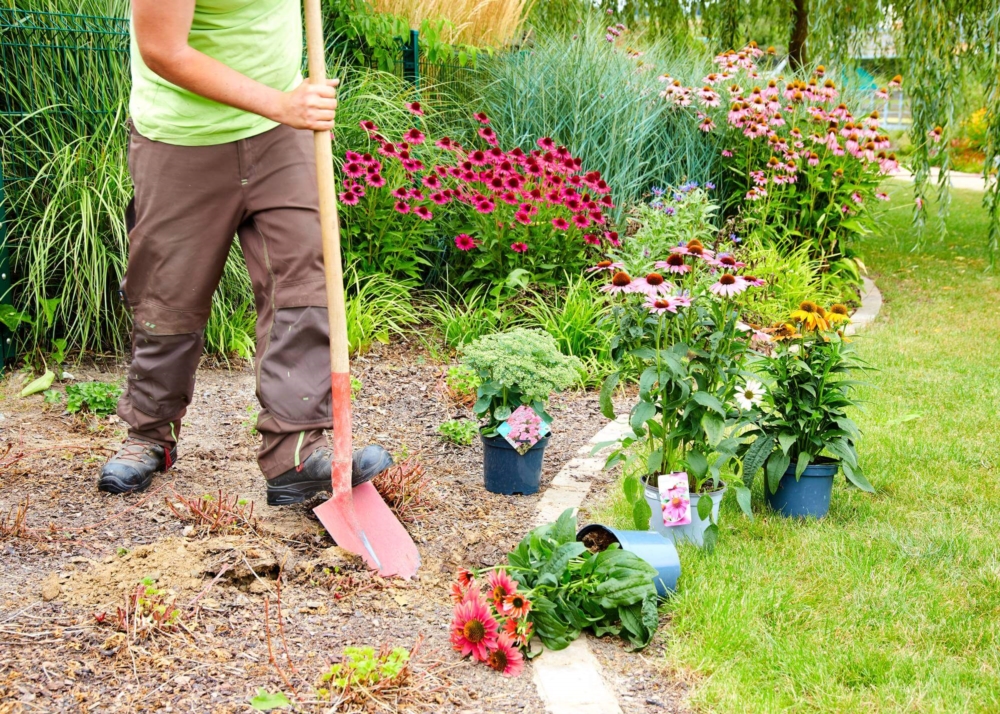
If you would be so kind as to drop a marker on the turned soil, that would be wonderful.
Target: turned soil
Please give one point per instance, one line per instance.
(79, 555)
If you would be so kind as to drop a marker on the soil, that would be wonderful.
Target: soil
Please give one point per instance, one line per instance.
(78, 555)
(599, 540)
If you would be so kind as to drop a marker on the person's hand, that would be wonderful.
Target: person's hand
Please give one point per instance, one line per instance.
(309, 106)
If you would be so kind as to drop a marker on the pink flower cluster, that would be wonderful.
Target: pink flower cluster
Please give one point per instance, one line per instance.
(545, 187)
(759, 109)
(525, 426)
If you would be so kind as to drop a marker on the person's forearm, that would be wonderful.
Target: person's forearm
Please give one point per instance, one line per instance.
(197, 72)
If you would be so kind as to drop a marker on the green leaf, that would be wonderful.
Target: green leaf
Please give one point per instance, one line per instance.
(708, 400)
(654, 461)
(755, 457)
(649, 377)
(607, 389)
(713, 426)
(564, 529)
(697, 464)
(641, 514)
(632, 488)
(786, 439)
(641, 413)
(482, 404)
(265, 701)
(855, 476)
(561, 556)
(711, 538)
(843, 450)
(705, 508)
(49, 306)
(777, 464)
(11, 318)
(40, 384)
(743, 498)
(501, 413)
(803, 461)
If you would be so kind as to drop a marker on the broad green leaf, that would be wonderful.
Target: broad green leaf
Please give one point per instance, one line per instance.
(647, 380)
(11, 318)
(705, 508)
(697, 464)
(632, 488)
(743, 498)
(786, 439)
(842, 450)
(711, 538)
(641, 413)
(855, 476)
(607, 389)
(755, 457)
(501, 413)
(265, 701)
(654, 461)
(641, 514)
(710, 401)
(713, 426)
(803, 461)
(564, 529)
(482, 404)
(49, 306)
(40, 384)
(777, 464)
(561, 556)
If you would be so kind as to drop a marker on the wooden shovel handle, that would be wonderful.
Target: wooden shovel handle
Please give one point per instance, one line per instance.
(330, 229)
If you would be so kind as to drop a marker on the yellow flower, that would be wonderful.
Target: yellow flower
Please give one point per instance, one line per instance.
(811, 316)
(784, 331)
(838, 314)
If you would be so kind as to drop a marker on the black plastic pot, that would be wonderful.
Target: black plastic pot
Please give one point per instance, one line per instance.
(506, 471)
(809, 496)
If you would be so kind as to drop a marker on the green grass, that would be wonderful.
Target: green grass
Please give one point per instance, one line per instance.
(891, 603)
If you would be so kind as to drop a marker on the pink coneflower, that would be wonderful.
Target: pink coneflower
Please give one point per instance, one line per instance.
(519, 247)
(856, 197)
(619, 283)
(376, 180)
(896, 81)
(560, 223)
(414, 136)
(674, 264)
(709, 97)
(353, 156)
(753, 281)
(707, 124)
(676, 509)
(511, 198)
(431, 181)
(516, 605)
(727, 153)
(519, 631)
(489, 135)
(423, 213)
(415, 108)
(481, 118)
(881, 196)
(605, 265)
(463, 241)
(591, 239)
(500, 586)
(729, 285)
(349, 198)
(935, 134)
(652, 285)
(546, 143)
(477, 158)
(505, 657)
(473, 629)
(401, 192)
(727, 262)
(659, 305)
(581, 220)
(522, 217)
(693, 247)
(402, 207)
(612, 238)
(485, 206)
(354, 169)
(412, 165)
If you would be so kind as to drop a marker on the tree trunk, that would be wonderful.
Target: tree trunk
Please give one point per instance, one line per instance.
(800, 32)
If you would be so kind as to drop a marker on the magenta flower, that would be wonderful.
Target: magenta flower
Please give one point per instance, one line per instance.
(463, 241)
(560, 223)
(352, 156)
(414, 136)
(354, 169)
(612, 238)
(674, 264)
(481, 118)
(444, 143)
(439, 197)
(423, 213)
(374, 179)
(729, 285)
(415, 108)
(412, 165)
(485, 206)
(591, 239)
(581, 221)
(402, 207)
(368, 126)
(546, 143)
(519, 247)
(522, 217)
(727, 262)
(349, 198)
(477, 158)
(489, 135)
(401, 192)
(431, 181)
(388, 149)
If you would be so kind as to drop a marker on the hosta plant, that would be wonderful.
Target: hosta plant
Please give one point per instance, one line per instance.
(517, 367)
(800, 412)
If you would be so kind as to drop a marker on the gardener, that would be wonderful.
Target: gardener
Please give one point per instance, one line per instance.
(222, 144)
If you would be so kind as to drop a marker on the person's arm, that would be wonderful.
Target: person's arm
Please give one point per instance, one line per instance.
(161, 30)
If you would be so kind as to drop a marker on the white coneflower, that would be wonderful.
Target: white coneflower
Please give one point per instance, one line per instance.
(750, 395)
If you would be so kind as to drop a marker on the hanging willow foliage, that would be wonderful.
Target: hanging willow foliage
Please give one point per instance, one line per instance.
(943, 46)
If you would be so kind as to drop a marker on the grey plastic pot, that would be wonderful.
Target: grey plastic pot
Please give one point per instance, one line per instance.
(506, 471)
(693, 532)
(655, 549)
(807, 497)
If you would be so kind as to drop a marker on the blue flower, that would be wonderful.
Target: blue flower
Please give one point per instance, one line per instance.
(709, 185)
(735, 238)
(669, 210)
(657, 191)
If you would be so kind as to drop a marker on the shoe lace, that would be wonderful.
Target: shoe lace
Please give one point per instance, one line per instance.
(135, 450)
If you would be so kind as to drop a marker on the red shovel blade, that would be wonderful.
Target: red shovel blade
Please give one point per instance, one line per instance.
(376, 535)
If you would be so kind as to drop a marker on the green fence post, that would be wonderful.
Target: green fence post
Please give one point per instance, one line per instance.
(411, 60)
(6, 337)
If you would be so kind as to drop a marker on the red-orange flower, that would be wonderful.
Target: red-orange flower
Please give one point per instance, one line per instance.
(473, 629)
(516, 605)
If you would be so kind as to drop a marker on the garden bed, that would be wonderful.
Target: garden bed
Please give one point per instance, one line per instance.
(58, 584)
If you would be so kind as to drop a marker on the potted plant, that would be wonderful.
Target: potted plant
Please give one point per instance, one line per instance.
(802, 435)
(518, 370)
(678, 333)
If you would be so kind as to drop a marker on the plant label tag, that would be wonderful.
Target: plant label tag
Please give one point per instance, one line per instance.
(675, 500)
(523, 429)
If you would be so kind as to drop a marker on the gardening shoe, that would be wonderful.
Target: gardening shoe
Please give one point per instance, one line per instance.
(132, 468)
(313, 475)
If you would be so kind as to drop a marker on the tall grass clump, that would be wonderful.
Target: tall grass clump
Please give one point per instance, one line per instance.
(601, 100)
(482, 23)
(461, 317)
(377, 307)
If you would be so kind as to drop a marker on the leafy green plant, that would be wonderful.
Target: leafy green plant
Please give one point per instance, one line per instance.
(362, 667)
(461, 317)
(802, 414)
(518, 367)
(377, 306)
(265, 701)
(573, 589)
(100, 398)
(462, 381)
(458, 431)
(356, 386)
(52, 396)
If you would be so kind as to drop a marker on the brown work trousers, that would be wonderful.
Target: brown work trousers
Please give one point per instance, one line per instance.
(189, 203)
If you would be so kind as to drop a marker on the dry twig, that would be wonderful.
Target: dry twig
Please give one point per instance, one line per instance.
(210, 514)
(404, 487)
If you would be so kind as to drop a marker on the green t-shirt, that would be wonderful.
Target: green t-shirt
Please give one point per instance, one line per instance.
(259, 38)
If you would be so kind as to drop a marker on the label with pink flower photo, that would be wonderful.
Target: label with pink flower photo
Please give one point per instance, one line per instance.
(675, 501)
(523, 429)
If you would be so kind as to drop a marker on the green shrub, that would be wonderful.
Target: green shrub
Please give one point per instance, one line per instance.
(461, 317)
(459, 431)
(100, 398)
(462, 381)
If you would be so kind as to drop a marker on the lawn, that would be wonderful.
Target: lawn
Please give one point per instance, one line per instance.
(891, 603)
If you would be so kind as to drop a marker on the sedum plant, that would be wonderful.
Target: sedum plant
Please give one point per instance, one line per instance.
(801, 416)
(518, 367)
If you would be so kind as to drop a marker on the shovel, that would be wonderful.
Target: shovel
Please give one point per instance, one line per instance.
(357, 519)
